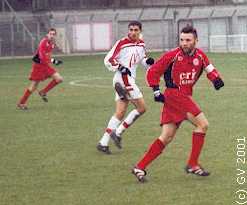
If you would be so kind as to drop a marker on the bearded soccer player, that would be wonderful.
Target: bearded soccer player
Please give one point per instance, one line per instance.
(42, 70)
(123, 59)
(181, 68)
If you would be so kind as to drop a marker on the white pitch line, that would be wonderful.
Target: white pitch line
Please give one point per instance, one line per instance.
(82, 83)
(79, 83)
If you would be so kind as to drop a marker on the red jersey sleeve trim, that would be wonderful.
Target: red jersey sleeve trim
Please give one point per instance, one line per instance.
(117, 49)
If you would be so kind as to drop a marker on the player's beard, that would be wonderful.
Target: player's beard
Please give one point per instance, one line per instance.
(187, 50)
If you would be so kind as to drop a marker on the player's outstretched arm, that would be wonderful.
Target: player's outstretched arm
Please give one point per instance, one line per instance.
(214, 76)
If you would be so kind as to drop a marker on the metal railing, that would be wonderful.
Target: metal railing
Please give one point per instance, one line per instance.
(19, 22)
(228, 43)
(160, 31)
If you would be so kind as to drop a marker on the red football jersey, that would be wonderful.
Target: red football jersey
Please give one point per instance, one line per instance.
(180, 70)
(44, 50)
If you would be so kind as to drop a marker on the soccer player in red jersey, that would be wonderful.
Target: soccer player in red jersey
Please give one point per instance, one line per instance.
(42, 69)
(181, 68)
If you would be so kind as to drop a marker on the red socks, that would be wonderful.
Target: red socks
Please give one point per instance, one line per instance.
(27, 93)
(24, 98)
(154, 151)
(197, 144)
(157, 147)
(51, 85)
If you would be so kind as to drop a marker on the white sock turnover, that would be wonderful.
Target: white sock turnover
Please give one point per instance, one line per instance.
(129, 120)
(112, 124)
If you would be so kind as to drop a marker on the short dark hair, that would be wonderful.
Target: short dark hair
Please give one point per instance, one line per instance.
(135, 23)
(189, 29)
(52, 29)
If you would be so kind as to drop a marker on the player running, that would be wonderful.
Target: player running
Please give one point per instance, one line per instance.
(123, 59)
(181, 67)
(42, 69)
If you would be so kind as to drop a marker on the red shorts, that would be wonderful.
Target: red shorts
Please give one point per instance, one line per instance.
(41, 72)
(176, 107)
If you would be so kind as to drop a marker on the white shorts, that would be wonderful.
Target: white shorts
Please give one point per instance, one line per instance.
(129, 84)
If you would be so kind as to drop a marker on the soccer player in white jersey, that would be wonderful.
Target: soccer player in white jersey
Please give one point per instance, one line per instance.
(123, 60)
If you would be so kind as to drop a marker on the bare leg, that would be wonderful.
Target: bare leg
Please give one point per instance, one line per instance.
(200, 122)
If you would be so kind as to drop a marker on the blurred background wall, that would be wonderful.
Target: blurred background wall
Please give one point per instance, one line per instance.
(91, 26)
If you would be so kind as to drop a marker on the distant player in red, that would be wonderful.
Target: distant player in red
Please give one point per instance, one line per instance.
(181, 68)
(42, 69)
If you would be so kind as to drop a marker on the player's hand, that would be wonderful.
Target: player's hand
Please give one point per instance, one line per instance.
(158, 96)
(218, 83)
(124, 70)
(150, 61)
(56, 62)
(36, 59)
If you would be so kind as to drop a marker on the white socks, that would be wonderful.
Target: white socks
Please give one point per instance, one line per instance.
(112, 125)
(129, 120)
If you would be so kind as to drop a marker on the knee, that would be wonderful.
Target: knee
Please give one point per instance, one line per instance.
(142, 110)
(204, 126)
(59, 79)
(120, 114)
(32, 88)
(166, 139)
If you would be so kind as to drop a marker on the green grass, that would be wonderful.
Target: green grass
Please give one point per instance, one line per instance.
(48, 154)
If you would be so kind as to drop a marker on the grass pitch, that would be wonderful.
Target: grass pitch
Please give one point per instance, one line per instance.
(48, 154)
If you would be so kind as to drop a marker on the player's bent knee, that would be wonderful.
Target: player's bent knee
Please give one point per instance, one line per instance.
(204, 126)
(142, 110)
(32, 88)
(59, 79)
(166, 139)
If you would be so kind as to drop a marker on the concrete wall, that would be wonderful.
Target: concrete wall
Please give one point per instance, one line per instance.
(161, 25)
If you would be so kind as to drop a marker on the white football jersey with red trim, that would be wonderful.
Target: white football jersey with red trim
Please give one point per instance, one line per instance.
(127, 53)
